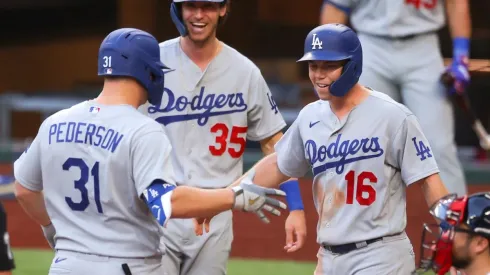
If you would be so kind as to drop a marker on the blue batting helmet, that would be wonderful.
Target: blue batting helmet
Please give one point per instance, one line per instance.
(176, 14)
(336, 42)
(133, 53)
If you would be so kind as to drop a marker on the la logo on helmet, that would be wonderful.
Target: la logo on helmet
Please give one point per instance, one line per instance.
(316, 42)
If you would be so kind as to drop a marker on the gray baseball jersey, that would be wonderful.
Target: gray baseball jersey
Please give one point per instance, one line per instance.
(93, 162)
(395, 17)
(208, 115)
(361, 165)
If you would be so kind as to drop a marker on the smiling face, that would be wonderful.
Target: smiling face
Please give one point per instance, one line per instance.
(201, 19)
(322, 74)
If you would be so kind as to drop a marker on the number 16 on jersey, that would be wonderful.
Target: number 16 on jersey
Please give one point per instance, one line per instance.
(361, 185)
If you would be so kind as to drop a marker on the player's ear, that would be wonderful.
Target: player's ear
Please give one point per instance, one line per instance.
(224, 10)
(482, 244)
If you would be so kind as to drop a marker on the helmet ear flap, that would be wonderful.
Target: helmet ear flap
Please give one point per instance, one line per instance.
(176, 16)
(349, 77)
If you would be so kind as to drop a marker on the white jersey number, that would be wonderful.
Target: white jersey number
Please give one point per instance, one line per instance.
(107, 61)
(222, 143)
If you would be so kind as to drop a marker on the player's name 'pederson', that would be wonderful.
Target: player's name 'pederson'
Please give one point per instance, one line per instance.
(79, 132)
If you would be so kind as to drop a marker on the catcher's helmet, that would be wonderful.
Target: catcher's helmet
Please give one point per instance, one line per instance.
(336, 42)
(133, 53)
(470, 214)
(176, 13)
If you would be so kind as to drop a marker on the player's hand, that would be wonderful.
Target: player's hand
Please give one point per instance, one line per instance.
(457, 76)
(295, 231)
(250, 197)
(454, 271)
(201, 225)
(49, 232)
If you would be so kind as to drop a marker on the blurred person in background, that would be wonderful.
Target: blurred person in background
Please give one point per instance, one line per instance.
(462, 237)
(403, 59)
(7, 263)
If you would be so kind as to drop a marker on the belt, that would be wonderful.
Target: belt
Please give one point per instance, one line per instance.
(346, 248)
(405, 37)
(401, 38)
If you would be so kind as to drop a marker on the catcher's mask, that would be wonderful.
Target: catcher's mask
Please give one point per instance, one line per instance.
(452, 212)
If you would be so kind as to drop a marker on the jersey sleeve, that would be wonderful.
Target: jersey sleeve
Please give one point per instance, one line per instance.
(264, 118)
(28, 168)
(412, 152)
(291, 159)
(151, 159)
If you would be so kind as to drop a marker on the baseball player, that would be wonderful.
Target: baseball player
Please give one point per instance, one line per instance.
(97, 172)
(364, 150)
(403, 59)
(462, 237)
(214, 99)
(7, 263)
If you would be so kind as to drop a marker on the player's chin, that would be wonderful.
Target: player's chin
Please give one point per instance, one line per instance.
(201, 36)
(324, 94)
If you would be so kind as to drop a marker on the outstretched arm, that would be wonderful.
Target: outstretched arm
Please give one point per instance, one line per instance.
(190, 202)
(267, 173)
(295, 225)
(167, 201)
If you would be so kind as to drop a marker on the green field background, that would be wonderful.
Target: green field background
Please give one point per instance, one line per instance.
(36, 262)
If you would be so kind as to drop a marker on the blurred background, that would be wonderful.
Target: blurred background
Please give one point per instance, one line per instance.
(48, 61)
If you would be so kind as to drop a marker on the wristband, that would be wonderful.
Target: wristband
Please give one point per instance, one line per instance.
(461, 47)
(293, 195)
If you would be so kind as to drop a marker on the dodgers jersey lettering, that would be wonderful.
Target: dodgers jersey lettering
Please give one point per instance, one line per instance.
(361, 166)
(93, 162)
(395, 17)
(209, 115)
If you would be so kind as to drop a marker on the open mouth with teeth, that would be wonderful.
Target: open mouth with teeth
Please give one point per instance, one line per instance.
(198, 25)
(322, 85)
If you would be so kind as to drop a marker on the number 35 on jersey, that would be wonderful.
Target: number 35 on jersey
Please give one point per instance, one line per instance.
(229, 140)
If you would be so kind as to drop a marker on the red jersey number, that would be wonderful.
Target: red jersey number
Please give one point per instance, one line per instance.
(222, 140)
(428, 4)
(360, 186)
